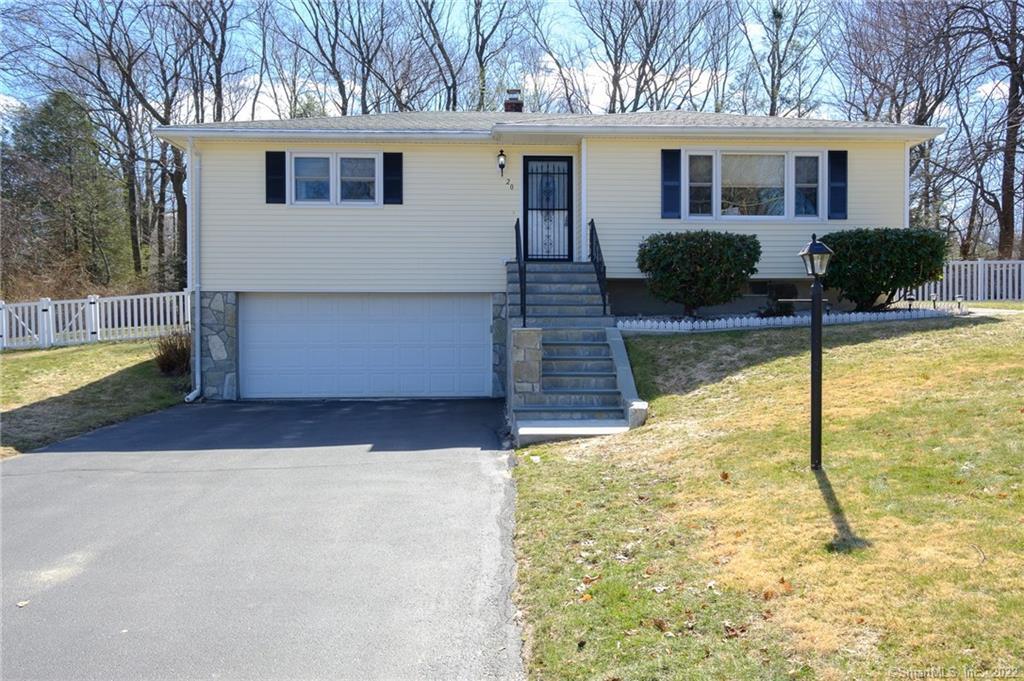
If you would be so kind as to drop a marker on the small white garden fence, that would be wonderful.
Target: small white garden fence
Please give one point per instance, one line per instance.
(739, 323)
(46, 323)
(977, 280)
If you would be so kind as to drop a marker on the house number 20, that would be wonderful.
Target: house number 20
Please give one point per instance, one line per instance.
(508, 182)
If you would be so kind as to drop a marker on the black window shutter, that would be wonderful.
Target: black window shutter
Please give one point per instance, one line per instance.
(276, 181)
(837, 185)
(392, 178)
(671, 183)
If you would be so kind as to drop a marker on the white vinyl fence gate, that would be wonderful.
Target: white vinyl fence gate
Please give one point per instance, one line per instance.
(46, 323)
(977, 280)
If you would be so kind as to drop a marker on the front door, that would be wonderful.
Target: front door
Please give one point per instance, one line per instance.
(548, 207)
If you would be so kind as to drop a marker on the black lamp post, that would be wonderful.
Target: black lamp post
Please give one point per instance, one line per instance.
(816, 256)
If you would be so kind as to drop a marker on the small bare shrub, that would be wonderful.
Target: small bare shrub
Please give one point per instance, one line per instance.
(174, 353)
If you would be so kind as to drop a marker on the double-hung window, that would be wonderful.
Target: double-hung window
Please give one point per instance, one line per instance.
(357, 178)
(339, 178)
(700, 184)
(311, 179)
(806, 186)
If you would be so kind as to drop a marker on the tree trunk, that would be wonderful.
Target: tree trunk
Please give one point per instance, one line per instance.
(131, 203)
(1006, 215)
(181, 218)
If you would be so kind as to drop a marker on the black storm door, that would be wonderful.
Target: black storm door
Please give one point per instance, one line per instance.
(548, 199)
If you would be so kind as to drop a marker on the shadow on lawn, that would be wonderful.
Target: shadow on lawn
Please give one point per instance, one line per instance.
(845, 541)
(125, 393)
(679, 364)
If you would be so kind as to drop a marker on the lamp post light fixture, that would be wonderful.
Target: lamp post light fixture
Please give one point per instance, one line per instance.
(816, 256)
(501, 162)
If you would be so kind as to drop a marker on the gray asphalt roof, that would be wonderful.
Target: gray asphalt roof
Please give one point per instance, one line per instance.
(485, 121)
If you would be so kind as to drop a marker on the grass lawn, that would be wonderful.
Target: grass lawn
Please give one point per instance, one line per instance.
(997, 304)
(702, 546)
(49, 395)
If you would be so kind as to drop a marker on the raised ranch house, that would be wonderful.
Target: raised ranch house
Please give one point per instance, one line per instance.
(376, 256)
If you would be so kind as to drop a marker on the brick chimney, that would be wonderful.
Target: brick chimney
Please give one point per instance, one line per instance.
(513, 100)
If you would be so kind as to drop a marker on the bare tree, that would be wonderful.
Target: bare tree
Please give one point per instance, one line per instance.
(782, 36)
(434, 28)
(1000, 27)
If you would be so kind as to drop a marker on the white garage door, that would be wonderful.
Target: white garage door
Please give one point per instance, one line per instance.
(364, 345)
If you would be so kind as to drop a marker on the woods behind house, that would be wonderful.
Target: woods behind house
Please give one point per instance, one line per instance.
(93, 201)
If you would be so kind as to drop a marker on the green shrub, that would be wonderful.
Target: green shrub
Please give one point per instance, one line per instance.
(698, 268)
(871, 267)
(173, 353)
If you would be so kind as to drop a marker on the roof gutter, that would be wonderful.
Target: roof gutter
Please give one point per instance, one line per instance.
(914, 134)
(174, 134)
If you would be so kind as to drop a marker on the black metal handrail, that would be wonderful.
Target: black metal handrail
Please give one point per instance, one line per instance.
(521, 262)
(597, 257)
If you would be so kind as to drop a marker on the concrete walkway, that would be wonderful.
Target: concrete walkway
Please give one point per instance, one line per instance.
(361, 540)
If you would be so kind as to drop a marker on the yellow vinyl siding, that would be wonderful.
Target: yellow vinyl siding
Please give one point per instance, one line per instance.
(624, 198)
(453, 232)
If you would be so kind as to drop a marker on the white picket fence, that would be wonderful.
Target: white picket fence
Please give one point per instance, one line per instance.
(46, 323)
(977, 280)
(739, 323)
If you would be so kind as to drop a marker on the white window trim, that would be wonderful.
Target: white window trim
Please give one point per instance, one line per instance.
(290, 176)
(791, 180)
(789, 213)
(335, 174)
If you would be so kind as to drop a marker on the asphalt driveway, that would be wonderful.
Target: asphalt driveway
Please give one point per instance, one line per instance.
(328, 540)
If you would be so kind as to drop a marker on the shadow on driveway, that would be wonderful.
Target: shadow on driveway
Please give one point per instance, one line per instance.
(391, 425)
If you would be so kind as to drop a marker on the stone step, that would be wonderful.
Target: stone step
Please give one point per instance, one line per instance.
(573, 349)
(529, 431)
(553, 278)
(555, 310)
(566, 321)
(557, 287)
(551, 266)
(578, 335)
(563, 365)
(609, 399)
(578, 380)
(556, 298)
(541, 412)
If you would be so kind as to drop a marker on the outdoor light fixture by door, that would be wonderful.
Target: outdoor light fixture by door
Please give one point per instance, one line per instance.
(816, 256)
(501, 162)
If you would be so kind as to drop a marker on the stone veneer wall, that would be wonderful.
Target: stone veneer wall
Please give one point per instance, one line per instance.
(499, 340)
(218, 338)
(526, 363)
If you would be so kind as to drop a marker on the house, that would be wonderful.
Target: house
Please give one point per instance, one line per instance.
(369, 256)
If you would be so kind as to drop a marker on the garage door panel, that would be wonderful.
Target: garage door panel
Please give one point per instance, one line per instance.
(364, 345)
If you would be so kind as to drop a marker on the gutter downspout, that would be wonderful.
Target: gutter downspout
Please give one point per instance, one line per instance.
(192, 215)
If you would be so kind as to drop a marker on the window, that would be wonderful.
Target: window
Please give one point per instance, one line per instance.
(806, 179)
(753, 184)
(700, 177)
(312, 179)
(357, 177)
